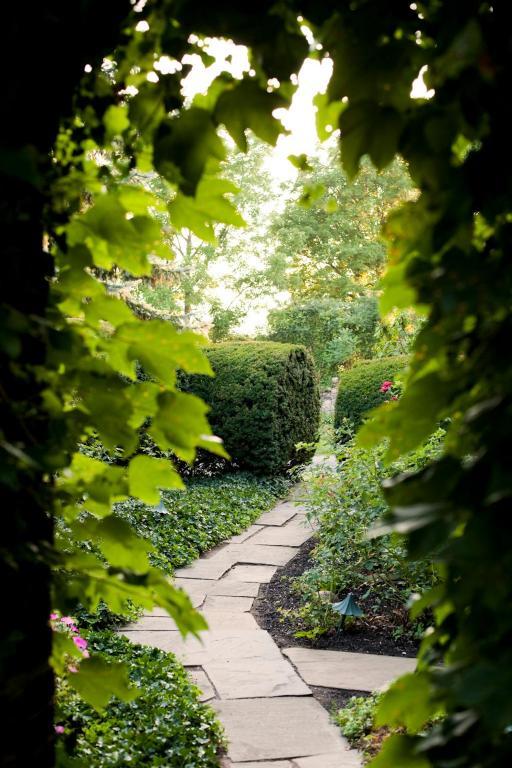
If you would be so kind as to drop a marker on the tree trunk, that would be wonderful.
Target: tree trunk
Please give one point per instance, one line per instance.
(57, 39)
(27, 680)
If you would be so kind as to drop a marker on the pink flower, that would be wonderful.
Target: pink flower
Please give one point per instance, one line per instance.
(80, 643)
(72, 668)
(54, 616)
(59, 729)
(385, 386)
(85, 654)
(73, 628)
(68, 621)
(394, 397)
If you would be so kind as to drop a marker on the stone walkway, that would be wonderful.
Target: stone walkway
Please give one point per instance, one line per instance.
(261, 694)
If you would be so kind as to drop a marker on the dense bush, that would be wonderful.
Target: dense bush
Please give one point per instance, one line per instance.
(346, 503)
(264, 400)
(359, 388)
(209, 511)
(166, 725)
(331, 329)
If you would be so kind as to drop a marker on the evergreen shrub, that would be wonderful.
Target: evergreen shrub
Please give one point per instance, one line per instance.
(264, 400)
(360, 388)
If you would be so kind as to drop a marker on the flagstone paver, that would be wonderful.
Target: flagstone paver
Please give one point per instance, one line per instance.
(209, 568)
(279, 515)
(293, 534)
(260, 574)
(230, 587)
(152, 624)
(355, 671)
(227, 603)
(232, 620)
(245, 534)
(273, 729)
(258, 554)
(350, 759)
(249, 677)
(200, 679)
(261, 695)
(264, 764)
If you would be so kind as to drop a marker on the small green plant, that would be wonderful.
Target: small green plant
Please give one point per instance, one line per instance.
(356, 718)
(346, 502)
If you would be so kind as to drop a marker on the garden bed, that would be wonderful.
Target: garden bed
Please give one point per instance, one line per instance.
(278, 604)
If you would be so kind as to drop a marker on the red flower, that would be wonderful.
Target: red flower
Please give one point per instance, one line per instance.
(385, 386)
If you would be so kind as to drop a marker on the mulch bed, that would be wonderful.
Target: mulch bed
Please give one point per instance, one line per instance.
(373, 634)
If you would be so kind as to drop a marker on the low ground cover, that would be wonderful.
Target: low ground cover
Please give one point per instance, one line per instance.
(165, 725)
(357, 722)
(211, 510)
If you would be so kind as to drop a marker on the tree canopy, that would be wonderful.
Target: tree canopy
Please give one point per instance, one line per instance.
(328, 236)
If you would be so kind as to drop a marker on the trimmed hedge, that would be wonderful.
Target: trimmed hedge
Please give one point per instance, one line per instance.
(264, 399)
(359, 388)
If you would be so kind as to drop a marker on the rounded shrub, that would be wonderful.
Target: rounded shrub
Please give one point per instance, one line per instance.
(360, 388)
(264, 399)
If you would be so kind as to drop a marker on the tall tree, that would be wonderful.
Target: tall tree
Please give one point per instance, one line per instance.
(327, 239)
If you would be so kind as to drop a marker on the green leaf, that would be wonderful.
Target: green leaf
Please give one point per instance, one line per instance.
(246, 105)
(210, 198)
(146, 475)
(300, 162)
(109, 410)
(398, 752)
(186, 214)
(114, 238)
(209, 206)
(97, 681)
(101, 483)
(327, 115)
(109, 309)
(183, 147)
(161, 349)
(146, 110)
(180, 424)
(116, 120)
(407, 703)
(311, 194)
(369, 129)
(121, 545)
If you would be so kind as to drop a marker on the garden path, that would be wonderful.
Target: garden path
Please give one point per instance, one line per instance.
(261, 694)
